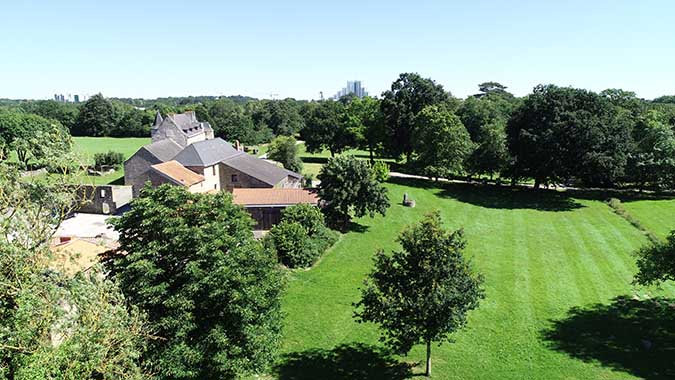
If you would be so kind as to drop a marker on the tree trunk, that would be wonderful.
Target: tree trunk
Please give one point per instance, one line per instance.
(537, 182)
(332, 154)
(428, 371)
(372, 156)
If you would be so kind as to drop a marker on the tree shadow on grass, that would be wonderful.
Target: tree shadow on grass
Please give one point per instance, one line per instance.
(345, 362)
(498, 197)
(627, 335)
(356, 227)
(314, 160)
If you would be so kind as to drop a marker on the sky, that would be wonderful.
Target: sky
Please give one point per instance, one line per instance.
(296, 49)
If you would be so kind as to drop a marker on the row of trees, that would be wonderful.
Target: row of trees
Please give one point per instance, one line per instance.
(554, 135)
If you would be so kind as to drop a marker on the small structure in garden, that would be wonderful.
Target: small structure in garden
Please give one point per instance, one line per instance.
(407, 202)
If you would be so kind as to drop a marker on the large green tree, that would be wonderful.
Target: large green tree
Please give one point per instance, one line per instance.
(284, 149)
(211, 294)
(348, 187)
(559, 133)
(33, 137)
(442, 144)
(329, 126)
(652, 161)
(369, 123)
(65, 113)
(422, 293)
(97, 117)
(408, 95)
(53, 325)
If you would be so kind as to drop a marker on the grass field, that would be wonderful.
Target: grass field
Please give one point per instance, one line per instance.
(88, 146)
(559, 299)
(656, 216)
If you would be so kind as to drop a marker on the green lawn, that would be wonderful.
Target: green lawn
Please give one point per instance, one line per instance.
(553, 266)
(656, 216)
(88, 146)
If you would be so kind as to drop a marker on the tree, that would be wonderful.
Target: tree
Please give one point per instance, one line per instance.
(284, 149)
(652, 160)
(211, 294)
(348, 187)
(369, 120)
(442, 144)
(328, 126)
(33, 137)
(421, 294)
(491, 154)
(408, 95)
(656, 262)
(53, 326)
(558, 133)
(65, 113)
(96, 118)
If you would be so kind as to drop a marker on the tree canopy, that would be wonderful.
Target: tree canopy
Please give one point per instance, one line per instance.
(211, 294)
(348, 187)
(442, 143)
(408, 96)
(422, 293)
(284, 149)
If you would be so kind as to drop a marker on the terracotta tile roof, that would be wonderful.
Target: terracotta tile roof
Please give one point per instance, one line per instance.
(273, 197)
(178, 173)
(75, 255)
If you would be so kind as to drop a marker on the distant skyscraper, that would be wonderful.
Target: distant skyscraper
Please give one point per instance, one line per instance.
(353, 87)
(77, 98)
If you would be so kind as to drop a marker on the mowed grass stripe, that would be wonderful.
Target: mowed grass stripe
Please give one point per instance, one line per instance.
(537, 264)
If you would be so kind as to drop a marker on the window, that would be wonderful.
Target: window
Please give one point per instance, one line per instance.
(213, 169)
(235, 178)
(215, 186)
(102, 193)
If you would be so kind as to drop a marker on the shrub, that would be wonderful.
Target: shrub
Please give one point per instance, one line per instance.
(109, 158)
(292, 245)
(301, 237)
(308, 216)
(380, 171)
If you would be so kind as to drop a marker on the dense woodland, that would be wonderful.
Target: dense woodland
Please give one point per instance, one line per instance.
(553, 135)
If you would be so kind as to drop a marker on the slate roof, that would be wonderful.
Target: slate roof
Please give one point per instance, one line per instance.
(259, 169)
(207, 153)
(273, 197)
(178, 173)
(163, 150)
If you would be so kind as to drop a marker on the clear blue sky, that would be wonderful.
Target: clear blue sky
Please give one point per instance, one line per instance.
(298, 48)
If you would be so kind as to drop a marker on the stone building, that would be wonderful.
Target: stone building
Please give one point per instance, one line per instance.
(183, 152)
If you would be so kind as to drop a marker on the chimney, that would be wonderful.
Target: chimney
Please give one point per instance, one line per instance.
(237, 146)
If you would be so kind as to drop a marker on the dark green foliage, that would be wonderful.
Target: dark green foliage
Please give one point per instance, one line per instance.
(96, 118)
(442, 143)
(408, 95)
(211, 294)
(366, 114)
(656, 262)
(421, 294)
(284, 149)
(381, 171)
(65, 113)
(291, 244)
(652, 161)
(329, 126)
(33, 137)
(301, 237)
(559, 133)
(132, 123)
(54, 326)
(348, 187)
(491, 154)
(109, 158)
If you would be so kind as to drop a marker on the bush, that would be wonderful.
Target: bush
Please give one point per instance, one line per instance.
(109, 158)
(292, 245)
(301, 237)
(380, 171)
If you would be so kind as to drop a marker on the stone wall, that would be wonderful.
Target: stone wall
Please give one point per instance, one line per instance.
(136, 170)
(103, 199)
(243, 180)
